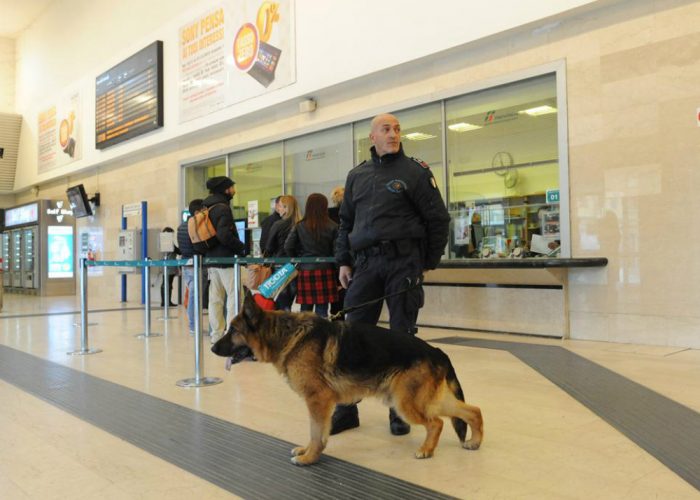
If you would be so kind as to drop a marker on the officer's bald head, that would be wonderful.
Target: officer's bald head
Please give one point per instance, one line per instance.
(385, 134)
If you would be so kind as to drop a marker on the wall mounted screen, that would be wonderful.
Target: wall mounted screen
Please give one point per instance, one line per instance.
(129, 97)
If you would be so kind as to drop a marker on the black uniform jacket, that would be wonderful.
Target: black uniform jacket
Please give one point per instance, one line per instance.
(389, 199)
(222, 219)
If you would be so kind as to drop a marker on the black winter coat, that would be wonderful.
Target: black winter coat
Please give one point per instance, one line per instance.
(302, 243)
(278, 235)
(222, 219)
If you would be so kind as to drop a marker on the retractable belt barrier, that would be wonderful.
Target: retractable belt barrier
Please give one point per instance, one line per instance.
(197, 262)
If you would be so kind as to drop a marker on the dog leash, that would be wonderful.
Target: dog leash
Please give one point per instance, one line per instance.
(411, 286)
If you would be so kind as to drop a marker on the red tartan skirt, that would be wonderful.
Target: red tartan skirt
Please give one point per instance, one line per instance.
(317, 286)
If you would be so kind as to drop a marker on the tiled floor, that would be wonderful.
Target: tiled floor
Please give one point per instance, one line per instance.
(539, 441)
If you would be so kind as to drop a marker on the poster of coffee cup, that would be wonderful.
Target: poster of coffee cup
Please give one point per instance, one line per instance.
(59, 133)
(233, 52)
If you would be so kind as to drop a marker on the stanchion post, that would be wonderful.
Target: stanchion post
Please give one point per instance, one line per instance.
(84, 349)
(147, 299)
(198, 380)
(236, 286)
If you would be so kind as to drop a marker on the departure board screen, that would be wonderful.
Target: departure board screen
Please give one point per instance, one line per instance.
(129, 97)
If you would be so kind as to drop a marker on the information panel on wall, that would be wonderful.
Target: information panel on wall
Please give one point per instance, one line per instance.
(129, 97)
(60, 255)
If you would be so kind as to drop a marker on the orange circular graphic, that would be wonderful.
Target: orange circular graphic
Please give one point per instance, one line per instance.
(245, 46)
(64, 133)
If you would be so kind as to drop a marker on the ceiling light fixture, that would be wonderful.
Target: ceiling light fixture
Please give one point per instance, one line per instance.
(538, 110)
(418, 136)
(463, 127)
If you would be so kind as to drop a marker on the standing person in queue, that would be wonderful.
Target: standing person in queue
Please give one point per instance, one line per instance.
(221, 287)
(187, 251)
(171, 274)
(315, 236)
(334, 214)
(268, 222)
(393, 227)
(275, 244)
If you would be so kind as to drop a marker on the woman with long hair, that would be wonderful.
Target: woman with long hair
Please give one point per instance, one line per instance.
(275, 244)
(315, 236)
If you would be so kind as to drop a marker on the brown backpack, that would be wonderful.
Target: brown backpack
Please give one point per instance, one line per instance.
(202, 231)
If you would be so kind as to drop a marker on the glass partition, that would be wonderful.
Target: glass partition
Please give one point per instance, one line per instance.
(502, 152)
(500, 146)
(421, 137)
(258, 176)
(196, 176)
(316, 163)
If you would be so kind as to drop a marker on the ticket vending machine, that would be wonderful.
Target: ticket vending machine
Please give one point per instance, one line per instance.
(39, 249)
(30, 263)
(16, 259)
(5, 252)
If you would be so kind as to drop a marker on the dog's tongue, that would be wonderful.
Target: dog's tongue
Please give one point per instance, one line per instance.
(229, 362)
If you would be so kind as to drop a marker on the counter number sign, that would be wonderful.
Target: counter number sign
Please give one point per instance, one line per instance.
(552, 196)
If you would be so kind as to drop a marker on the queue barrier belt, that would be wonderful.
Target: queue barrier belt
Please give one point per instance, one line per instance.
(209, 261)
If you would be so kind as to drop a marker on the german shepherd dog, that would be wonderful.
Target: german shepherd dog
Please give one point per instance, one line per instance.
(328, 363)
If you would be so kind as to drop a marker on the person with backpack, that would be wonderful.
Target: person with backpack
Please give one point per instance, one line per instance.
(187, 250)
(218, 217)
(315, 236)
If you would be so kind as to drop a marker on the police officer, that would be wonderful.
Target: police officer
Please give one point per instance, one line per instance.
(393, 226)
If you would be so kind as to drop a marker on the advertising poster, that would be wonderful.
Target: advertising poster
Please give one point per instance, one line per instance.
(234, 52)
(91, 247)
(59, 137)
(60, 256)
(253, 216)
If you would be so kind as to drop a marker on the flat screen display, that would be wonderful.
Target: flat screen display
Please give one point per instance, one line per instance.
(240, 227)
(60, 255)
(25, 214)
(78, 200)
(129, 97)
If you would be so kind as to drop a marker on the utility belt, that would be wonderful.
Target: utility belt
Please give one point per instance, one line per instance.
(390, 248)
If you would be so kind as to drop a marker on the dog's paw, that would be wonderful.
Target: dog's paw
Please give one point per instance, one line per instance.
(471, 445)
(299, 450)
(302, 460)
(421, 453)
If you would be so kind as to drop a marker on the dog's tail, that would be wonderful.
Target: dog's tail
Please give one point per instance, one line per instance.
(459, 425)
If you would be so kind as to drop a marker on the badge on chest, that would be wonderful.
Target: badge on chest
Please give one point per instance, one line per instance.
(396, 186)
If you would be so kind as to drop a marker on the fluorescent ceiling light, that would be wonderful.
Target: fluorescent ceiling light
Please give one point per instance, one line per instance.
(463, 127)
(418, 136)
(538, 110)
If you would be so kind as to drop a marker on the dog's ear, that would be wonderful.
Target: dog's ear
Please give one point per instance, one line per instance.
(252, 313)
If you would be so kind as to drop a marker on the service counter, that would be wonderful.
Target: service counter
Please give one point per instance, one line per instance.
(525, 296)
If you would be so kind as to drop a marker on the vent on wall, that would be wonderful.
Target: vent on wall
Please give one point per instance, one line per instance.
(10, 127)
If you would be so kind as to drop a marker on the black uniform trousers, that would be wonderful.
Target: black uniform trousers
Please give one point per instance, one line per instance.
(384, 269)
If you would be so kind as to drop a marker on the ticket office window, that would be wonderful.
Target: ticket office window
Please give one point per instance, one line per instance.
(196, 175)
(258, 176)
(421, 137)
(318, 162)
(502, 158)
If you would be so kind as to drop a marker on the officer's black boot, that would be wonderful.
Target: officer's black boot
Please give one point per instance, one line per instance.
(345, 417)
(396, 424)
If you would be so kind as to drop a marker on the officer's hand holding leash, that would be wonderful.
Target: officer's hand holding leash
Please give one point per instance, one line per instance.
(345, 276)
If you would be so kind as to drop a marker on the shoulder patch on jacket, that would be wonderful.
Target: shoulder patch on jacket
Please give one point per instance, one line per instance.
(420, 162)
